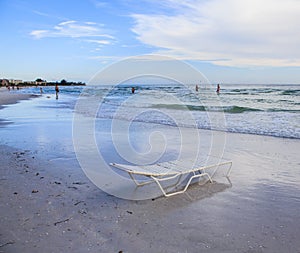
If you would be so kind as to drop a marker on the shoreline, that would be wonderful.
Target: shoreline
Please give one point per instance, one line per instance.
(48, 204)
(9, 98)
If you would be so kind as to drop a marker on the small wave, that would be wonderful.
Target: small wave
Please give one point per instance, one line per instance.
(284, 110)
(291, 92)
(239, 109)
(180, 107)
(252, 91)
(228, 109)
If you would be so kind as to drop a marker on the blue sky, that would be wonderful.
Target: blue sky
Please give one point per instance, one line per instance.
(229, 41)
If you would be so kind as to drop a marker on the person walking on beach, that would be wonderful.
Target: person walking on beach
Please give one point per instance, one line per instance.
(218, 88)
(56, 91)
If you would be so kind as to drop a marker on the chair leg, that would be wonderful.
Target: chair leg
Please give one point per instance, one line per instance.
(157, 180)
(137, 182)
(208, 178)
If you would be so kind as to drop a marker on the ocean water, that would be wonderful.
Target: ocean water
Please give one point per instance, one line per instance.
(272, 110)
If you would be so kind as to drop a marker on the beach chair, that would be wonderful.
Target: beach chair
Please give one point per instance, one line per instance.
(174, 170)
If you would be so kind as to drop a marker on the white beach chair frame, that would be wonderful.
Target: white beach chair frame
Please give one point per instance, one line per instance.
(171, 170)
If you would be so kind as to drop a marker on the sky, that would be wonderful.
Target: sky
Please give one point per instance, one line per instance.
(229, 41)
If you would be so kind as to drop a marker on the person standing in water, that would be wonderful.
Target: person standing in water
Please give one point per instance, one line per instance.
(197, 88)
(218, 88)
(56, 91)
(132, 90)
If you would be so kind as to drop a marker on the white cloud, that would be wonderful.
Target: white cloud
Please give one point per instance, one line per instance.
(100, 42)
(226, 32)
(99, 4)
(73, 29)
(38, 33)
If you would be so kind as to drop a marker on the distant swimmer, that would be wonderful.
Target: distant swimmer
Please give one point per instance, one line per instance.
(132, 90)
(218, 88)
(197, 88)
(56, 91)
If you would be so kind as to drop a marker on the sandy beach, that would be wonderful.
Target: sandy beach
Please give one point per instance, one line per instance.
(48, 204)
(7, 98)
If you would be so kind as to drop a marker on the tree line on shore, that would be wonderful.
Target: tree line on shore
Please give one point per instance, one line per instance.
(39, 82)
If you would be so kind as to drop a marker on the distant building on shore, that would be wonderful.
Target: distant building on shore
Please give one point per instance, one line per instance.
(15, 81)
(29, 83)
(8, 82)
(4, 82)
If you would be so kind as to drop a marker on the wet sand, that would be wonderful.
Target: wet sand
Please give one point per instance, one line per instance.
(7, 97)
(47, 204)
